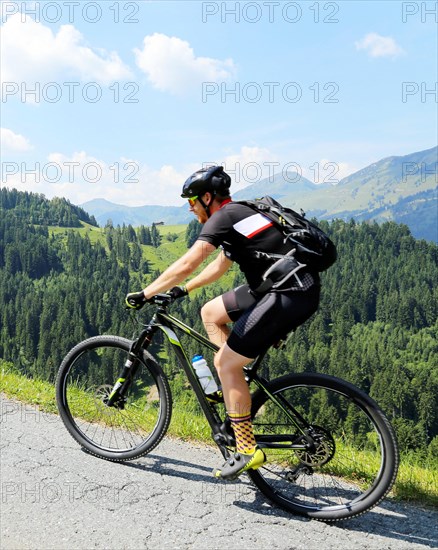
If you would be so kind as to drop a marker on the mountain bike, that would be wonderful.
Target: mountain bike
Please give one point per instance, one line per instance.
(331, 452)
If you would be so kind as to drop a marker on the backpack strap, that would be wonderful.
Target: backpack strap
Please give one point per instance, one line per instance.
(280, 272)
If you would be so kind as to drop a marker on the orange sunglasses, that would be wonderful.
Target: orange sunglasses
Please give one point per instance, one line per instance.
(193, 200)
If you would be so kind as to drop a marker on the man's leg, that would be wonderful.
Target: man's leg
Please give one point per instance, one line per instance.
(215, 319)
(229, 365)
(225, 309)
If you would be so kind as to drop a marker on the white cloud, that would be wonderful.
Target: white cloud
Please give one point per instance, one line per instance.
(250, 165)
(81, 177)
(12, 142)
(379, 46)
(154, 186)
(171, 65)
(32, 52)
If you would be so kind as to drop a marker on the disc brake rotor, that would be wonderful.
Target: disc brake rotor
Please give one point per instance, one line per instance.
(323, 451)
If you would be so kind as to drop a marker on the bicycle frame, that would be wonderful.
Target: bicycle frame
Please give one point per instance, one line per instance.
(167, 323)
(125, 418)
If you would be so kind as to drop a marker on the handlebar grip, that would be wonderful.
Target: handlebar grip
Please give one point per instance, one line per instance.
(135, 300)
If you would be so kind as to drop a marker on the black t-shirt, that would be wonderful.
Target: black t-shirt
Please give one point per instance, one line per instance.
(241, 232)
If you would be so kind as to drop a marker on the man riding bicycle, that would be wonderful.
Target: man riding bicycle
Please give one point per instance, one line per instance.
(260, 318)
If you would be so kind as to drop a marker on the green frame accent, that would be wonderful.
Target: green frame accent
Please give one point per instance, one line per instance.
(167, 323)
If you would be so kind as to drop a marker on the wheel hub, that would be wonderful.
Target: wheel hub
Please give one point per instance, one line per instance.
(321, 450)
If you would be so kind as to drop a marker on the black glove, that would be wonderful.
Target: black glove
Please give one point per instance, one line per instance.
(135, 300)
(178, 292)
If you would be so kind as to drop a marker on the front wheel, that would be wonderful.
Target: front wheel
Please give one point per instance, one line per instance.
(132, 427)
(339, 463)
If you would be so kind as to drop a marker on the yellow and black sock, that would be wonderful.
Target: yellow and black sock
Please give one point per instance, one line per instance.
(243, 431)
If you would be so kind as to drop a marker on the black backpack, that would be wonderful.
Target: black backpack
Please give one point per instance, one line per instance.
(312, 246)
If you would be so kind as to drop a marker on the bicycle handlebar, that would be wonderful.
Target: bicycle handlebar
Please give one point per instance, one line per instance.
(161, 299)
(136, 300)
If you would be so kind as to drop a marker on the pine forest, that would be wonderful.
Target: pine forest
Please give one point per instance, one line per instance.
(63, 278)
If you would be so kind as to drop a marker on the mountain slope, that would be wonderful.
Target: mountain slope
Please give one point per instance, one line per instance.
(280, 186)
(380, 185)
(398, 188)
(36, 209)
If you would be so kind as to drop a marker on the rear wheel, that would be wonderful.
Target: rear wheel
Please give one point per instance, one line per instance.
(132, 427)
(343, 464)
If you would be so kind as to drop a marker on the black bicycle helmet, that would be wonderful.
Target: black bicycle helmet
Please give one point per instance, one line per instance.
(212, 179)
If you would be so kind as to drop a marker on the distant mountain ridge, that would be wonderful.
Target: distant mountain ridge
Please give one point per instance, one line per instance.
(398, 188)
(104, 211)
(279, 186)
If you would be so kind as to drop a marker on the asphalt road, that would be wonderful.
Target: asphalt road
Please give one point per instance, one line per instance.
(55, 496)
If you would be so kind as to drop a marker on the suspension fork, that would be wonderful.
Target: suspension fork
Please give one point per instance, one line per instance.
(130, 367)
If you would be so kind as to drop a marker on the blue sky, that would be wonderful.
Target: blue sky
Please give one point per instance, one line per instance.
(123, 100)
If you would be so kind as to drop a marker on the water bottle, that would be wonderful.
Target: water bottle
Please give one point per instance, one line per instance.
(204, 374)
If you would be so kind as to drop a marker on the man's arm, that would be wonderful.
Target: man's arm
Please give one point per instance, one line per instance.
(211, 273)
(180, 269)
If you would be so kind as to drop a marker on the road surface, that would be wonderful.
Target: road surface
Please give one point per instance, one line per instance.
(55, 496)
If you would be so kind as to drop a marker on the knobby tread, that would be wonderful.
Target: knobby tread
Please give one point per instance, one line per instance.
(149, 362)
(379, 419)
(259, 399)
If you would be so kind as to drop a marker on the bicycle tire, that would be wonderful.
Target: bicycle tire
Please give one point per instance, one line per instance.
(351, 468)
(87, 375)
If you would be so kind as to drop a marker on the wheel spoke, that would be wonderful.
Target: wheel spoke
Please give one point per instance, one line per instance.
(127, 429)
(341, 470)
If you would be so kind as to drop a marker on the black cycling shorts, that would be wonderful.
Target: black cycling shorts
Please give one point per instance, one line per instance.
(261, 321)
